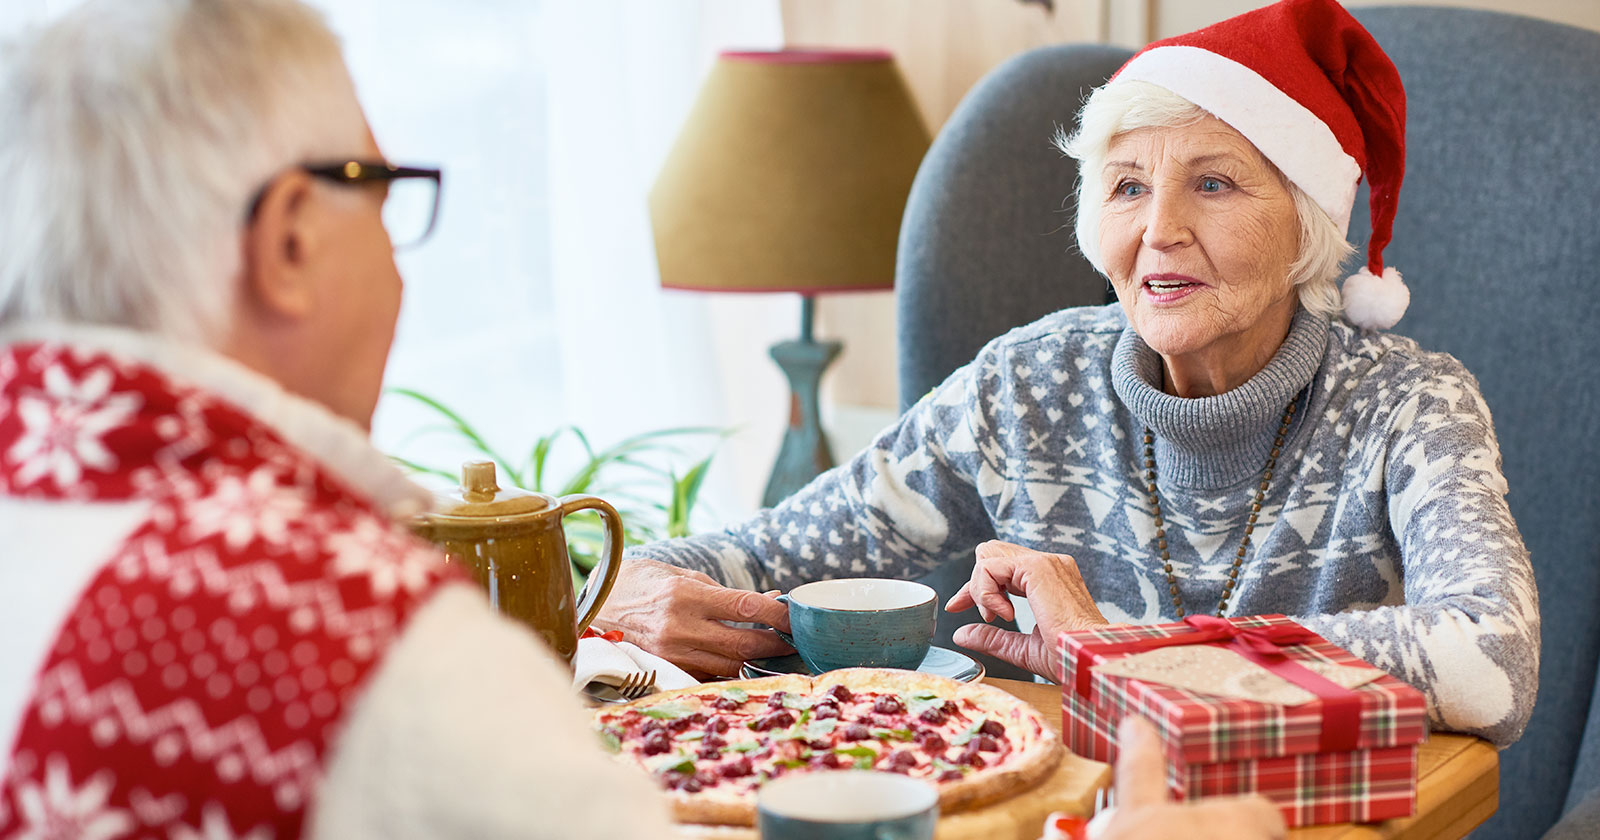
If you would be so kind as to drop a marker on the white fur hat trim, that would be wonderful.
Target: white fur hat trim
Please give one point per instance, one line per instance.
(1372, 302)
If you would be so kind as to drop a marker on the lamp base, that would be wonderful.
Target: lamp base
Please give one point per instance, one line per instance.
(804, 453)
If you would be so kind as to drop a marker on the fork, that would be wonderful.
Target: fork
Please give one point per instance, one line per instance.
(637, 685)
(1104, 799)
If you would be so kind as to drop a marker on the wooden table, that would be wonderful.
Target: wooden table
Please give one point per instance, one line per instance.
(1458, 782)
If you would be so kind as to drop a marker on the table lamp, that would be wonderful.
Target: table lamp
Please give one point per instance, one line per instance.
(790, 175)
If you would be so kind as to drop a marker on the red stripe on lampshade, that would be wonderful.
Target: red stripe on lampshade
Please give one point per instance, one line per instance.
(805, 291)
(802, 55)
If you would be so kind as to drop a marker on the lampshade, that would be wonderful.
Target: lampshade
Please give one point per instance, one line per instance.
(790, 174)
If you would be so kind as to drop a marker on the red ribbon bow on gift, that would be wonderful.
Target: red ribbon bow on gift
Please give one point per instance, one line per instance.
(1341, 707)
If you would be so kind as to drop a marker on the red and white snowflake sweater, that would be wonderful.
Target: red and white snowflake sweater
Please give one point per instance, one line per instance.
(216, 629)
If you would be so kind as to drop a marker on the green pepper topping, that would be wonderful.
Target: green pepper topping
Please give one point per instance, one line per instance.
(972, 732)
(666, 711)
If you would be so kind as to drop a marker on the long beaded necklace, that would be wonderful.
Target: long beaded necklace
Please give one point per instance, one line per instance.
(1249, 528)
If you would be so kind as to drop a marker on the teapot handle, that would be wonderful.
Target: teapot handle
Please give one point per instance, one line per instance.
(594, 593)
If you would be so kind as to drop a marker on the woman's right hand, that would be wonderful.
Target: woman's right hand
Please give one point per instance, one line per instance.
(679, 615)
(1055, 591)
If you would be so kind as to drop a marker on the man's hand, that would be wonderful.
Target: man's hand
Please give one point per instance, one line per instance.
(1054, 589)
(1144, 812)
(678, 615)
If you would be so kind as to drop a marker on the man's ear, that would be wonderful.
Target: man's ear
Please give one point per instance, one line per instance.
(279, 242)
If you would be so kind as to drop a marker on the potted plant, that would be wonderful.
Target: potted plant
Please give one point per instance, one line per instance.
(639, 475)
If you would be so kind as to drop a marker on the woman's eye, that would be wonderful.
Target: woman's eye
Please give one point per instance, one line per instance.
(1211, 185)
(1129, 189)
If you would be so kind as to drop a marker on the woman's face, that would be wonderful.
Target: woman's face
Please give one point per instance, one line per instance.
(1198, 233)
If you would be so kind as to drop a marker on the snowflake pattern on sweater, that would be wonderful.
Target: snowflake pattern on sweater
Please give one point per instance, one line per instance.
(1385, 528)
(198, 681)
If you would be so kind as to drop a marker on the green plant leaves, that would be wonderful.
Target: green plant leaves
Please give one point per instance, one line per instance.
(466, 430)
(636, 474)
(685, 491)
(419, 468)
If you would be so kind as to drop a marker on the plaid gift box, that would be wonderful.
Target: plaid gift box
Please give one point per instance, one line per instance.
(1349, 755)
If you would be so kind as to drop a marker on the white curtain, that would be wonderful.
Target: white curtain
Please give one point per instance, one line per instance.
(535, 303)
(16, 15)
(623, 76)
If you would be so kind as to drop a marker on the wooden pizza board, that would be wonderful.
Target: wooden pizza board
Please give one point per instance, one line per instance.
(1070, 788)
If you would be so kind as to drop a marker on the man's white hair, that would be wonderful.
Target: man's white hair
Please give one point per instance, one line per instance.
(1115, 109)
(133, 136)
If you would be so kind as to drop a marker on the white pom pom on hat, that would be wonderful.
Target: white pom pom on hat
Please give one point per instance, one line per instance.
(1375, 302)
(1305, 83)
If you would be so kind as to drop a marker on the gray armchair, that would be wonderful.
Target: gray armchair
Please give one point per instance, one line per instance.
(986, 243)
(1498, 234)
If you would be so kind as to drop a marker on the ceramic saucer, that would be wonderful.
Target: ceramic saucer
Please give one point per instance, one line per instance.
(940, 661)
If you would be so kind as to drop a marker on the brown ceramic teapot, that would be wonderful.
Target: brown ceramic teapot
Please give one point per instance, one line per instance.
(511, 542)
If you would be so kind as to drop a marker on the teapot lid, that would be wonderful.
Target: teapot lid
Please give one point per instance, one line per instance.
(481, 495)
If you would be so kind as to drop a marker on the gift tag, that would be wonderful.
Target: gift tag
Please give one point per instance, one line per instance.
(1220, 671)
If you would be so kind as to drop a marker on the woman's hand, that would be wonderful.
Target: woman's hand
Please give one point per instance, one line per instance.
(1144, 811)
(678, 615)
(1054, 589)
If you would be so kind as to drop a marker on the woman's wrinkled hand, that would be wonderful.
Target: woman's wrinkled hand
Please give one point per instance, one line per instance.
(1144, 810)
(1054, 589)
(679, 615)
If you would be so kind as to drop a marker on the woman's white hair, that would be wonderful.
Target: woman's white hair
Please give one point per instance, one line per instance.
(1115, 109)
(133, 136)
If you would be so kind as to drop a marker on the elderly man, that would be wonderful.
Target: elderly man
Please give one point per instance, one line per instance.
(213, 627)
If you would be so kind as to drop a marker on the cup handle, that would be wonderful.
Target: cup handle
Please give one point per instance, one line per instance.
(787, 639)
(594, 595)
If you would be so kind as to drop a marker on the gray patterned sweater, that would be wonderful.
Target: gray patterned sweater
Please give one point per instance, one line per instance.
(1385, 528)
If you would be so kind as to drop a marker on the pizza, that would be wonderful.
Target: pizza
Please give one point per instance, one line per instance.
(712, 746)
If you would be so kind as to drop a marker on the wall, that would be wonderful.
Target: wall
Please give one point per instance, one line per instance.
(1173, 17)
(944, 47)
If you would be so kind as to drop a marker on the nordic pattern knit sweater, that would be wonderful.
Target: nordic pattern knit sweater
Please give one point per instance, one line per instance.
(1385, 528)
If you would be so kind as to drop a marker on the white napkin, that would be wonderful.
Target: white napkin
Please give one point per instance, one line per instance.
(598, 660)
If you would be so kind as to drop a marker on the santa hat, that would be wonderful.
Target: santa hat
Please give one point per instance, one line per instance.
(1305, 83)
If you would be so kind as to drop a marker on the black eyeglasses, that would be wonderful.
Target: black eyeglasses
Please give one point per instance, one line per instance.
(410, 195)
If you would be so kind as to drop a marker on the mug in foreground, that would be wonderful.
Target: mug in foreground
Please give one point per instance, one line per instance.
(862, 623)
(847, 805)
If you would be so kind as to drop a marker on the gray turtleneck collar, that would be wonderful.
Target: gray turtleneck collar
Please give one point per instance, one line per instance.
(1216, 442)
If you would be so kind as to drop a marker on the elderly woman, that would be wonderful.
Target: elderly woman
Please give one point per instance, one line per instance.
(1227, 438)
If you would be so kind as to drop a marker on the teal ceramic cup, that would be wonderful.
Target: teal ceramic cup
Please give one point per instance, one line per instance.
(861, 623)
(847, 805)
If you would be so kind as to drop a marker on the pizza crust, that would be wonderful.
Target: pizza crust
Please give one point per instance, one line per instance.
(1036, 749)
(763, 685)
(1023, 771)
(712, 807)
(1038, 754)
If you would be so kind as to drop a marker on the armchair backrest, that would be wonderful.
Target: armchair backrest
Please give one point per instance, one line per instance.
(1499, 237)
(986, 243)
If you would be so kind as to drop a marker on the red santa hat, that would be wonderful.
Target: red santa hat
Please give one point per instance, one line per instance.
(1308, 85)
